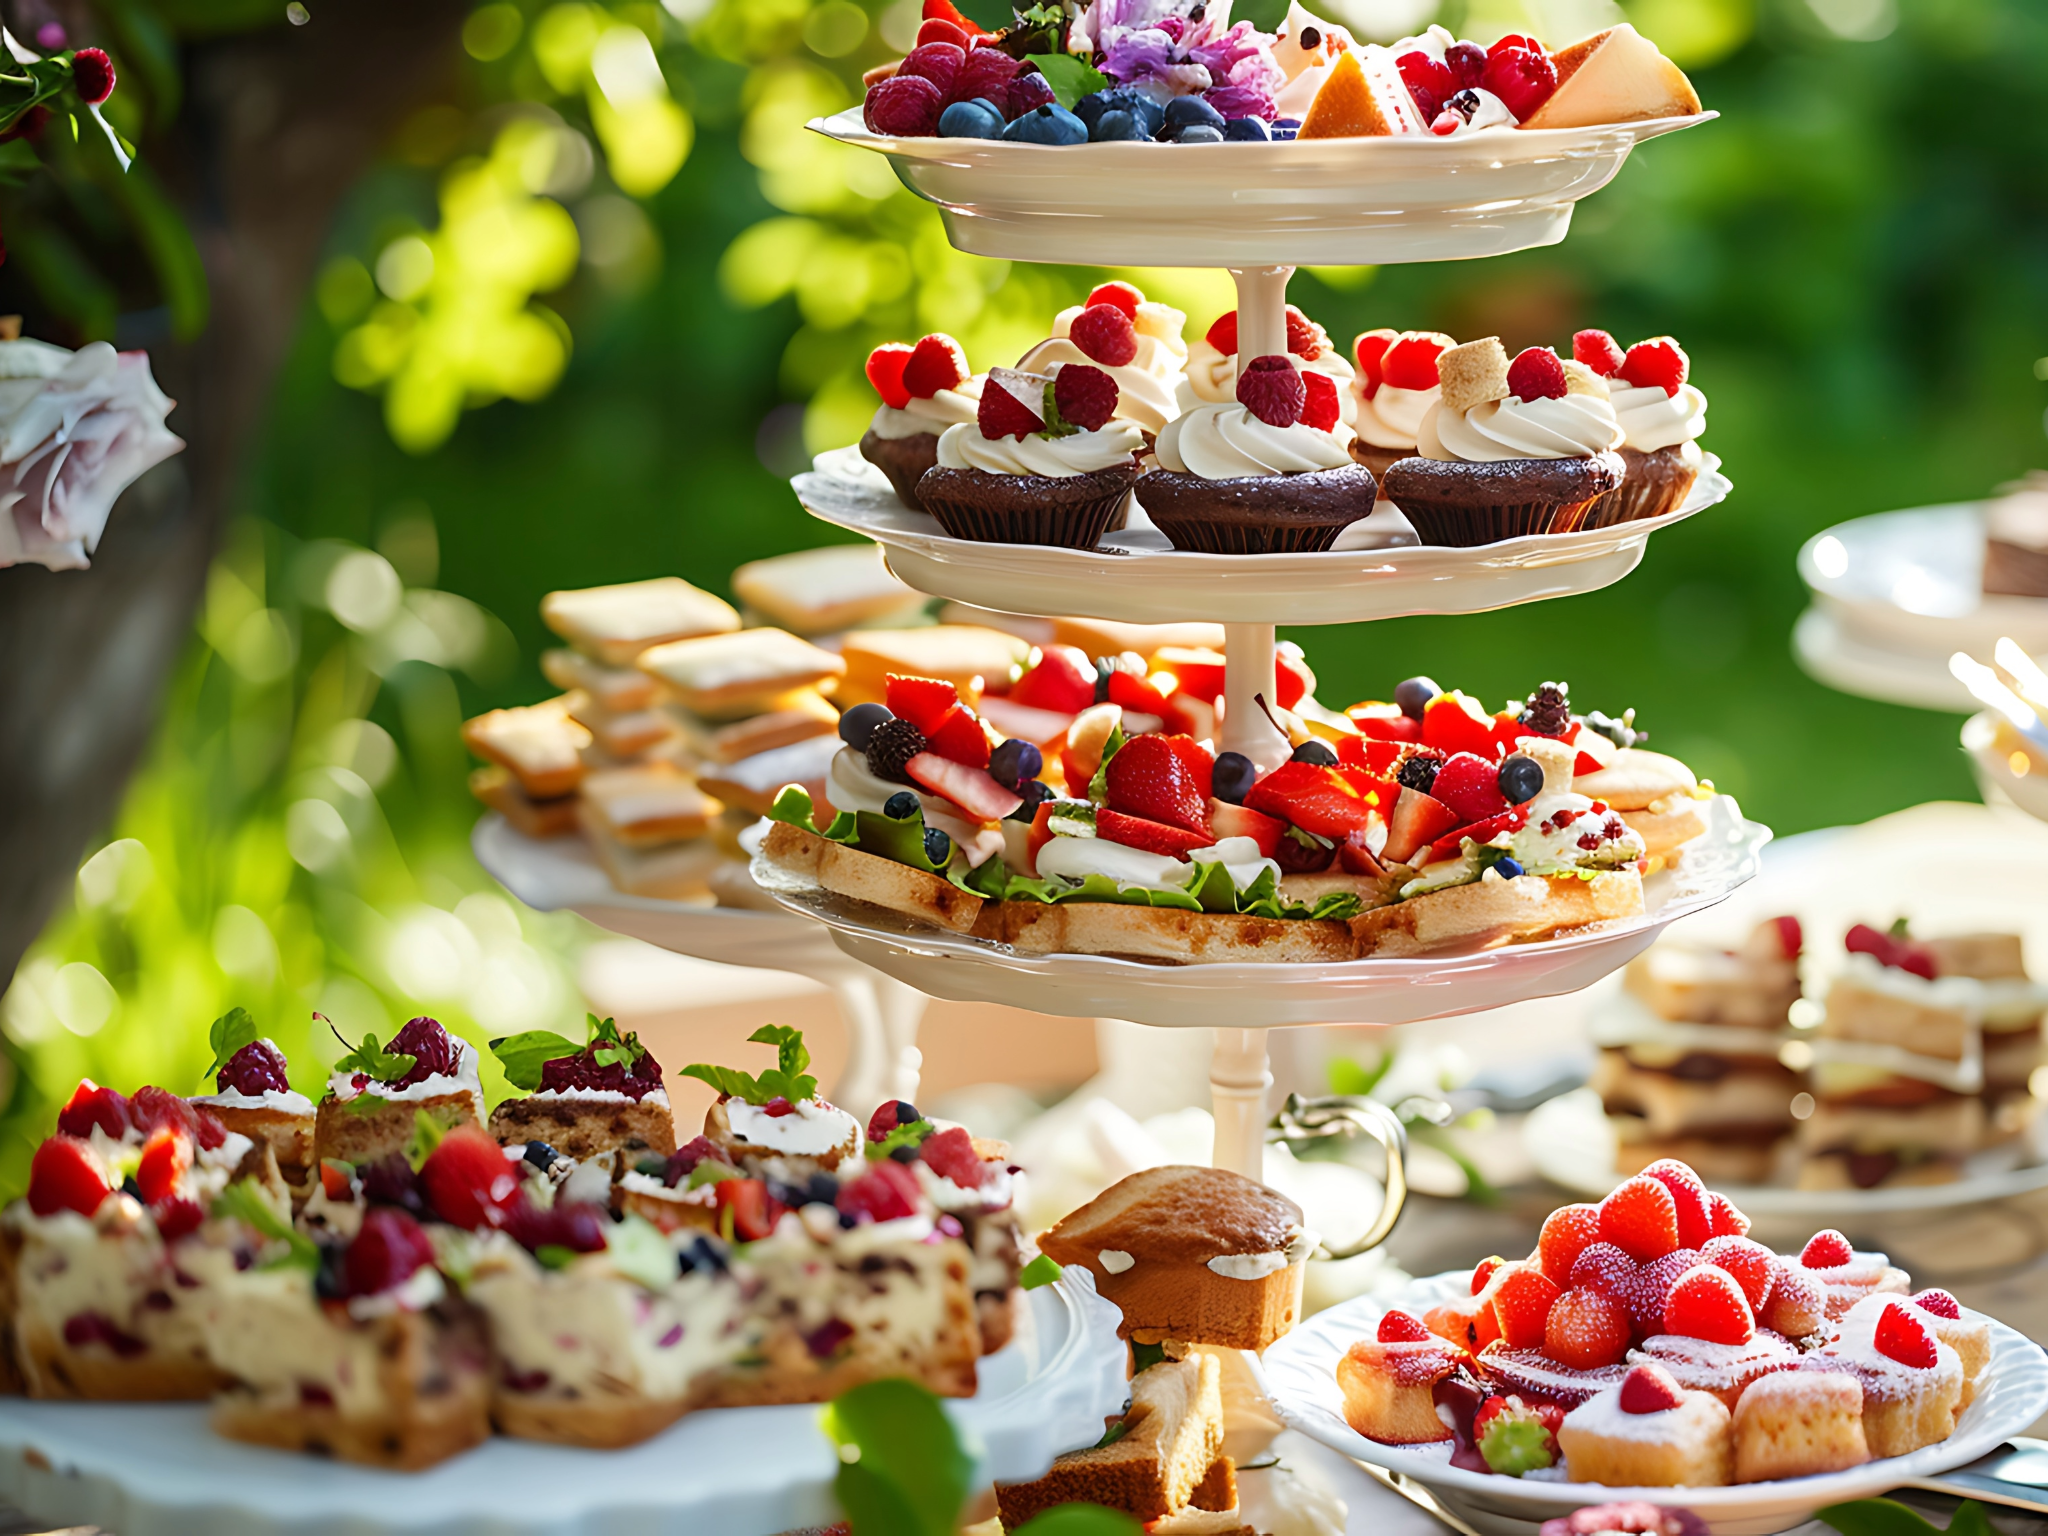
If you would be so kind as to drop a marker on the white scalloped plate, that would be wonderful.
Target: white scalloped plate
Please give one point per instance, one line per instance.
(1995, 778)
(147, 1469)
(1404, 991)
(1299, 1373)
(1137, 577)
(1330, 202)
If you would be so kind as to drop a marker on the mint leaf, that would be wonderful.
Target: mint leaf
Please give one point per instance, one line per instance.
(373, 1061)
(903, 1470)
(1145, 1356)
(245, 1201)
(1042, 1270)
(228, 1034)
(1888, 1517)
(523, 1055)
(787, 1078)
(1114, 1433)
(909, 1134)
(1069, 77)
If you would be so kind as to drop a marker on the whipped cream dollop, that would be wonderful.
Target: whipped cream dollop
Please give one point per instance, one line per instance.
(1078, 453)
(947, 408)
(813, 1130)
(1651, 419)
(1227, 442)
(1392, 418)
(1571, 427)
(1146, 385)
(1212, 377)
(850, 786)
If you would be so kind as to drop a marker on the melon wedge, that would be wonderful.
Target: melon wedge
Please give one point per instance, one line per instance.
(1615, 76)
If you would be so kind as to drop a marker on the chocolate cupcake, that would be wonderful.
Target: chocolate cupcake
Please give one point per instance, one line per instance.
(1392, 390)
(925, 389)
(1269, 475)
(1212, 363)
(1135, 340)
(1510, 450)
(1044, 462)
(1661, 418)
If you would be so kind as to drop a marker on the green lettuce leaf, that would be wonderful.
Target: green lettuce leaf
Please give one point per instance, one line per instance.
(1208, 889)
(901, 842)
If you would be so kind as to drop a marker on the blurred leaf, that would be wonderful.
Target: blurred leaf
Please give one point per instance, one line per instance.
(903, 1471)
(1080, 1520)
(172, 252)
(1069, 77)
(1888, 1517)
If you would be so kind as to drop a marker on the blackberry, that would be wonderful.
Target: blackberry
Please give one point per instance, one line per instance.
(894, 743)
(1419, 773)
(1549, 710)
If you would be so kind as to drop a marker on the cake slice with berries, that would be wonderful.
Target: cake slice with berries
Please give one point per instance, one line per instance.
(1912, 1382)
(253, 1097)
(1649, 1433)
(373, 1092)
(1968, 1334)
(1391, 1382)
(1846, 1276)
(587, 1102)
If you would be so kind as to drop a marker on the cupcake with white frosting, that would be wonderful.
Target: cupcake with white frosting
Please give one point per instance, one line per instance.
(1393, 389)
(1135, 340)
(1661, 417)
(925, 389)
(1510, 449)
(1270, 472)
(1212, 363)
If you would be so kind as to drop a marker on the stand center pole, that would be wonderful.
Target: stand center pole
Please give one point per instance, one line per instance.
(1238, 1080)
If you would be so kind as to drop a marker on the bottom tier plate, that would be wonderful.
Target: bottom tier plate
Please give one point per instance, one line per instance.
(1299, 1373)
(156, 1470)
(1401, 991)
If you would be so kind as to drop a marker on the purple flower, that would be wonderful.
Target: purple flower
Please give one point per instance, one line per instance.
(1156, 42)
(1235, 101)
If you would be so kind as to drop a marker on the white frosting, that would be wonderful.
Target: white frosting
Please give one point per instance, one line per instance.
(947, 408)
(1651, 419)
(287, 1102)
(1076, 858)
(1146, 385)
(417, 1292)
(997, 1190)
(853, 788)
(463, 1079)
(1247, 1266)
(813, 1130)
(599, 1096)
(1570, 427)
(1115, 1260)
(1212, 377)
(1078, 453)
(1603, 1415)
(1227, 442)
(1392, 418)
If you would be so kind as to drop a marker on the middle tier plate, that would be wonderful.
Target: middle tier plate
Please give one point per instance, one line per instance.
(1136, 577)
(1375, 991)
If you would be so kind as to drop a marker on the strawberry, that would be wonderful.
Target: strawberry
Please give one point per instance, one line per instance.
(1522, 1303)
(1513, 819)
(1152, 836)
(1429, 81)
(1797, 1305)
(1398, 1327)
(980, 796)
(936, 363)
(153, 1107)
(1369, 348)
(1410, 361)
(179, 1216)
(1522, 77)
(950, 1154)
(1586, 1329)
(1384, 722)
(1304, 337)
(1152, 778)
(388, 1250)
(1004, 413)
(1380, 758)
(1790, 938)
(1640, 1218)
(1085, 396)
(66, 1175)
(91, 1105)
(1105, 334)
(924, 701)
(1464, 1323)
(1222, 333)
(337, 1179)
(1467, 61)
(1484, 1271)
(1598, 351)
(1940, 1304)
(1128, 690)
(888, 1191)
(1062, 678)
(1320, 409)
(938, 30)
(1901, 1336)
(1197, 670)
(1728, 1221)
(1595, 751)
(1707, 1303)
(904, 106)
(1753, 1265)
(1661, 362)
(1648, 1388)
(1227, 820)
(1122, 295)
(1536, 374)
(166, 1159)
(885, 371)
(1455, 722)
(961, 739)
(945, 10)
(1898, 954)
(1270, 388)
(467, 1179)
(1418, 820)
(1470, 785)
(1653, 1288)
(755, 1212)
(1292, 679)
(1604, 1268)
(1826, 1249)
(1567, 1232)
(1689, 1195)
(1314, 798)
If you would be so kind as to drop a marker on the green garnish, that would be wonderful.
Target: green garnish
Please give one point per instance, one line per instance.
(1513, 1446)
(228, 1034)
(1042, 1270)
(372, 1060)
(708, 1172)
(1098, 787)
(245, 1201)
(909, 1134)
(428, 1131)
(785, 1080)
(1114, 1433)
(1069, 77)
(523, 1056)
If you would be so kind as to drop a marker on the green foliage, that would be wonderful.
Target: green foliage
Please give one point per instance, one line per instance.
(227, 1035)
(429, 1130)
(785, 1080)
(1070, 79)
(373, 1061)
(1080, 1520)
(524, 1055)
(245, 1201)
(902, 1468)
(911, 1133)
(1888, 1517)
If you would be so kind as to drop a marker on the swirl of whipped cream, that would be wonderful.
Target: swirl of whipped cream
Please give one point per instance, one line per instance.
(1212, 378)
(1079, 453)
(1392, 417)
(947, 408)
(1571, 427)
(1145, 385)
(1227, 442)
(1651, 419)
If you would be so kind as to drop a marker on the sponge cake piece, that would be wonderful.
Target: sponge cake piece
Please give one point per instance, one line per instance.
(728, 676)
(1615, 76)
(819, 591)
(1363, 97)
(615, 624)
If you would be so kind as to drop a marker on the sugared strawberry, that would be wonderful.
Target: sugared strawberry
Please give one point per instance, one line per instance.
(1369, 349)
(1522, 77)
(1522, 1303)
(1429, 81)
(1513, 819)
(1689, 1196)
(1222, 333)
(939, 30)
(1410, 362)
(1004, 410)
(905, 106)
(179, 1216)
(1150, 779)
(1122, 295)
(256, 1069)
(1271, 389)
(937, 362)
(166, 1159)
(1321, 408)
(1085, 396)
(1903, 1337)
(1648, 1388)
(468, 1179)
(433, 1050)
(1754, 1266)
(1536, 374)
(988, 73)
(1305, 338)
(1640, 1218)
(950, 1154)
(1653, 1285)
(1707, 1303)
(389, 1249)
(1797, 1305)
(1598, 351)
(1727, 1220)
(1661, 362)
(1105, 334)
(1587, 1329)
(885, 371)
(888, 1191)
(1483, 1271)
(66, 1175)
(1604, 1268)
(938, 62)
(1466, 1323)
(91, 1105)
(1398, 1327)
(1568, 1232)
(1826, 1249)
(1940, 1303)
(1470, 785)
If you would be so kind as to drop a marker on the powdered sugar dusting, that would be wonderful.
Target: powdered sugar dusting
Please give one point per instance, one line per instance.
(1702, 1365)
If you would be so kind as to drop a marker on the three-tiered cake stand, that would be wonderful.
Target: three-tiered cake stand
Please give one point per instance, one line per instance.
(1257, 210)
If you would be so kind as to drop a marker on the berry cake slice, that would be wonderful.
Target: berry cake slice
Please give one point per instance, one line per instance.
(1649, 1433)
(1964, 1332)
(1846, 1277)
(1912, 1382)
(1706, 1365)
(373, 1094)
(587, 1102)
(1392, 1383)
(254, 1097)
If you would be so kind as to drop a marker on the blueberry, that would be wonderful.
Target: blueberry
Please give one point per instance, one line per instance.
(1188, 111)
(1013, 762)
(1035, 792)
(1233, 777)
(1199, 133)
(822, 1189)
(1507, 869)
(1247, 130)
(1316, 752)
(1049, 124)
(1419, 773)
(1104, 665)
(1283, 135)
(1091, 107)
(1521, 779)
(540, 1154)
(1413, 694)
(901, 806)
(1117, 127)
(970, 120)
(937, 846)
(1287, 122)
(858, 724)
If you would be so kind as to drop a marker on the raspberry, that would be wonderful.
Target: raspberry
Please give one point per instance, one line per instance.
(1105, 334)
(894, 743)
(1482, 1272)
(166, 1159)
(1586, 1329)
(1271, 389)
(389, 1249)
(1707, 1303)
(468, 1179)
(1826, 1249)
(1649, 1389)
(951, 1155)
(91, 1105)
(939, 63)
(885, 371)
(578, 1228)
(1604, 1268)
(1509, 41)
(1467, 62)
(682, 1162)
(1754, 1266)
(1029, 90)
(1429, 81)
(1567, 1232)
(1653, 1288)
(1903, 1337)
(1536, 374)
(1728, 1221)
(1222, 335)
(904, 106)
(177, 1217)
(1003, 413)
(1320, 408)
(1598, 351)
(1399, 1327)
(1304, 337)
(256, 1069)
(66, 1175)
(1940, 1303)
(936, 363)
(1085, 396)
(1522, 77)
(434, 1053)
(888, 1115)
(987, 72)
(1797, 1305)
(1661, 362)
(93, 73)
(1641, 1219)
(1369, 350)
(888, 1191)
(1521, 1303)
(1695, 1218)
(1122, 295)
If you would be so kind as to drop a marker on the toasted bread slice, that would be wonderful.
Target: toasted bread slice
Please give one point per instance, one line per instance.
(865, 877)
(498, 789)
(1636, 779)
(673, 871)
(614, 624)
(538, 743)
(647, 806)
(727, 676)
(1163, 933)
(1523, 910)
(818, 591)
(796, 716)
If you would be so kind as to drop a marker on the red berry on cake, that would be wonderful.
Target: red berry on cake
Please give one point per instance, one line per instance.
(1520, 73)
(1467, 64)
(166, 1159)
(1587, 1329)
(885, 371)
(1706, 1303)
(91, 1105)
(1369, 349)
(888, 1115)
(1482, 1272)
(1568, 1232)
(1410, 360)
(1399, 1327)
(1940, 1303)
(936, 362)
(1122, 295)
(1271, 389)
(1305, 338)
(1649, 1389)
(1598, 351)
(433, 1051)
(66, 1175)
(1727, 1220)
(1222, 333)
(1604, 1268)
(1653, 1288)
(1688, 1196)
(1321, 408)
(1754, 1266)
(1106, 334)
(1661, 362)
(888, 1191)
(1085, 396)
(389, 1249)
(1470, 785)
(1826, 1249)
(1537, 374)
(904, 106)
(1903, 1337)
(468, 1179)
(1640, 1218)
(179, 1216)
(1003, 410)
(1522, 1303)
(1798, 1304)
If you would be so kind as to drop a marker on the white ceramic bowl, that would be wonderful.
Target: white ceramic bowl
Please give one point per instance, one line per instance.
(1299, 1373)
(1994, 770)
(1332, 202)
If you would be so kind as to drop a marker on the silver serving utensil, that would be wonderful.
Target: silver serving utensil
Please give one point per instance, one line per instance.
(1408, 1488)
(2015, 1474)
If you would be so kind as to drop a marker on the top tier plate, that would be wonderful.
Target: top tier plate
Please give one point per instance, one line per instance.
(1324, 202)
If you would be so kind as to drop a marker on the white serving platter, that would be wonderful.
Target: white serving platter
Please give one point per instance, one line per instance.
(146, 1469)
(1299, 1374)
(1137, 577)
(1329, 202)
(1392, 991)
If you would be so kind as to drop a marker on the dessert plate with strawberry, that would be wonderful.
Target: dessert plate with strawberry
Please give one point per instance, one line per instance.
(1649, 1349)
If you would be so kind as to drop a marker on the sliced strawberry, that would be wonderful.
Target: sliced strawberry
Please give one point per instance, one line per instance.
(754, 1211)
(1227, 820)
(885, 371)
(1369, 348)
(1122, 295)
(1507, 730)
(1134, 692)
(945, 10)
(1595, 750)
(1375, 755)
(1152, 836)
(1513, 819)
(66, 1175)
(1456, 722)
(1162, 779)
(468, 1180)
(1041, 726)
(1469, 784)
(166, 1158)
(961, 738)
(1377, 790)
(1198, 669)
(1186, 715)
(1063, 679)
(980, 796)
(1222, 333)
(938, 31)
(1418, 821)
(1314, 798)
(1385, 722)
(1359, 854)
(1410, 362)
(1292, 679)
(924, 701)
